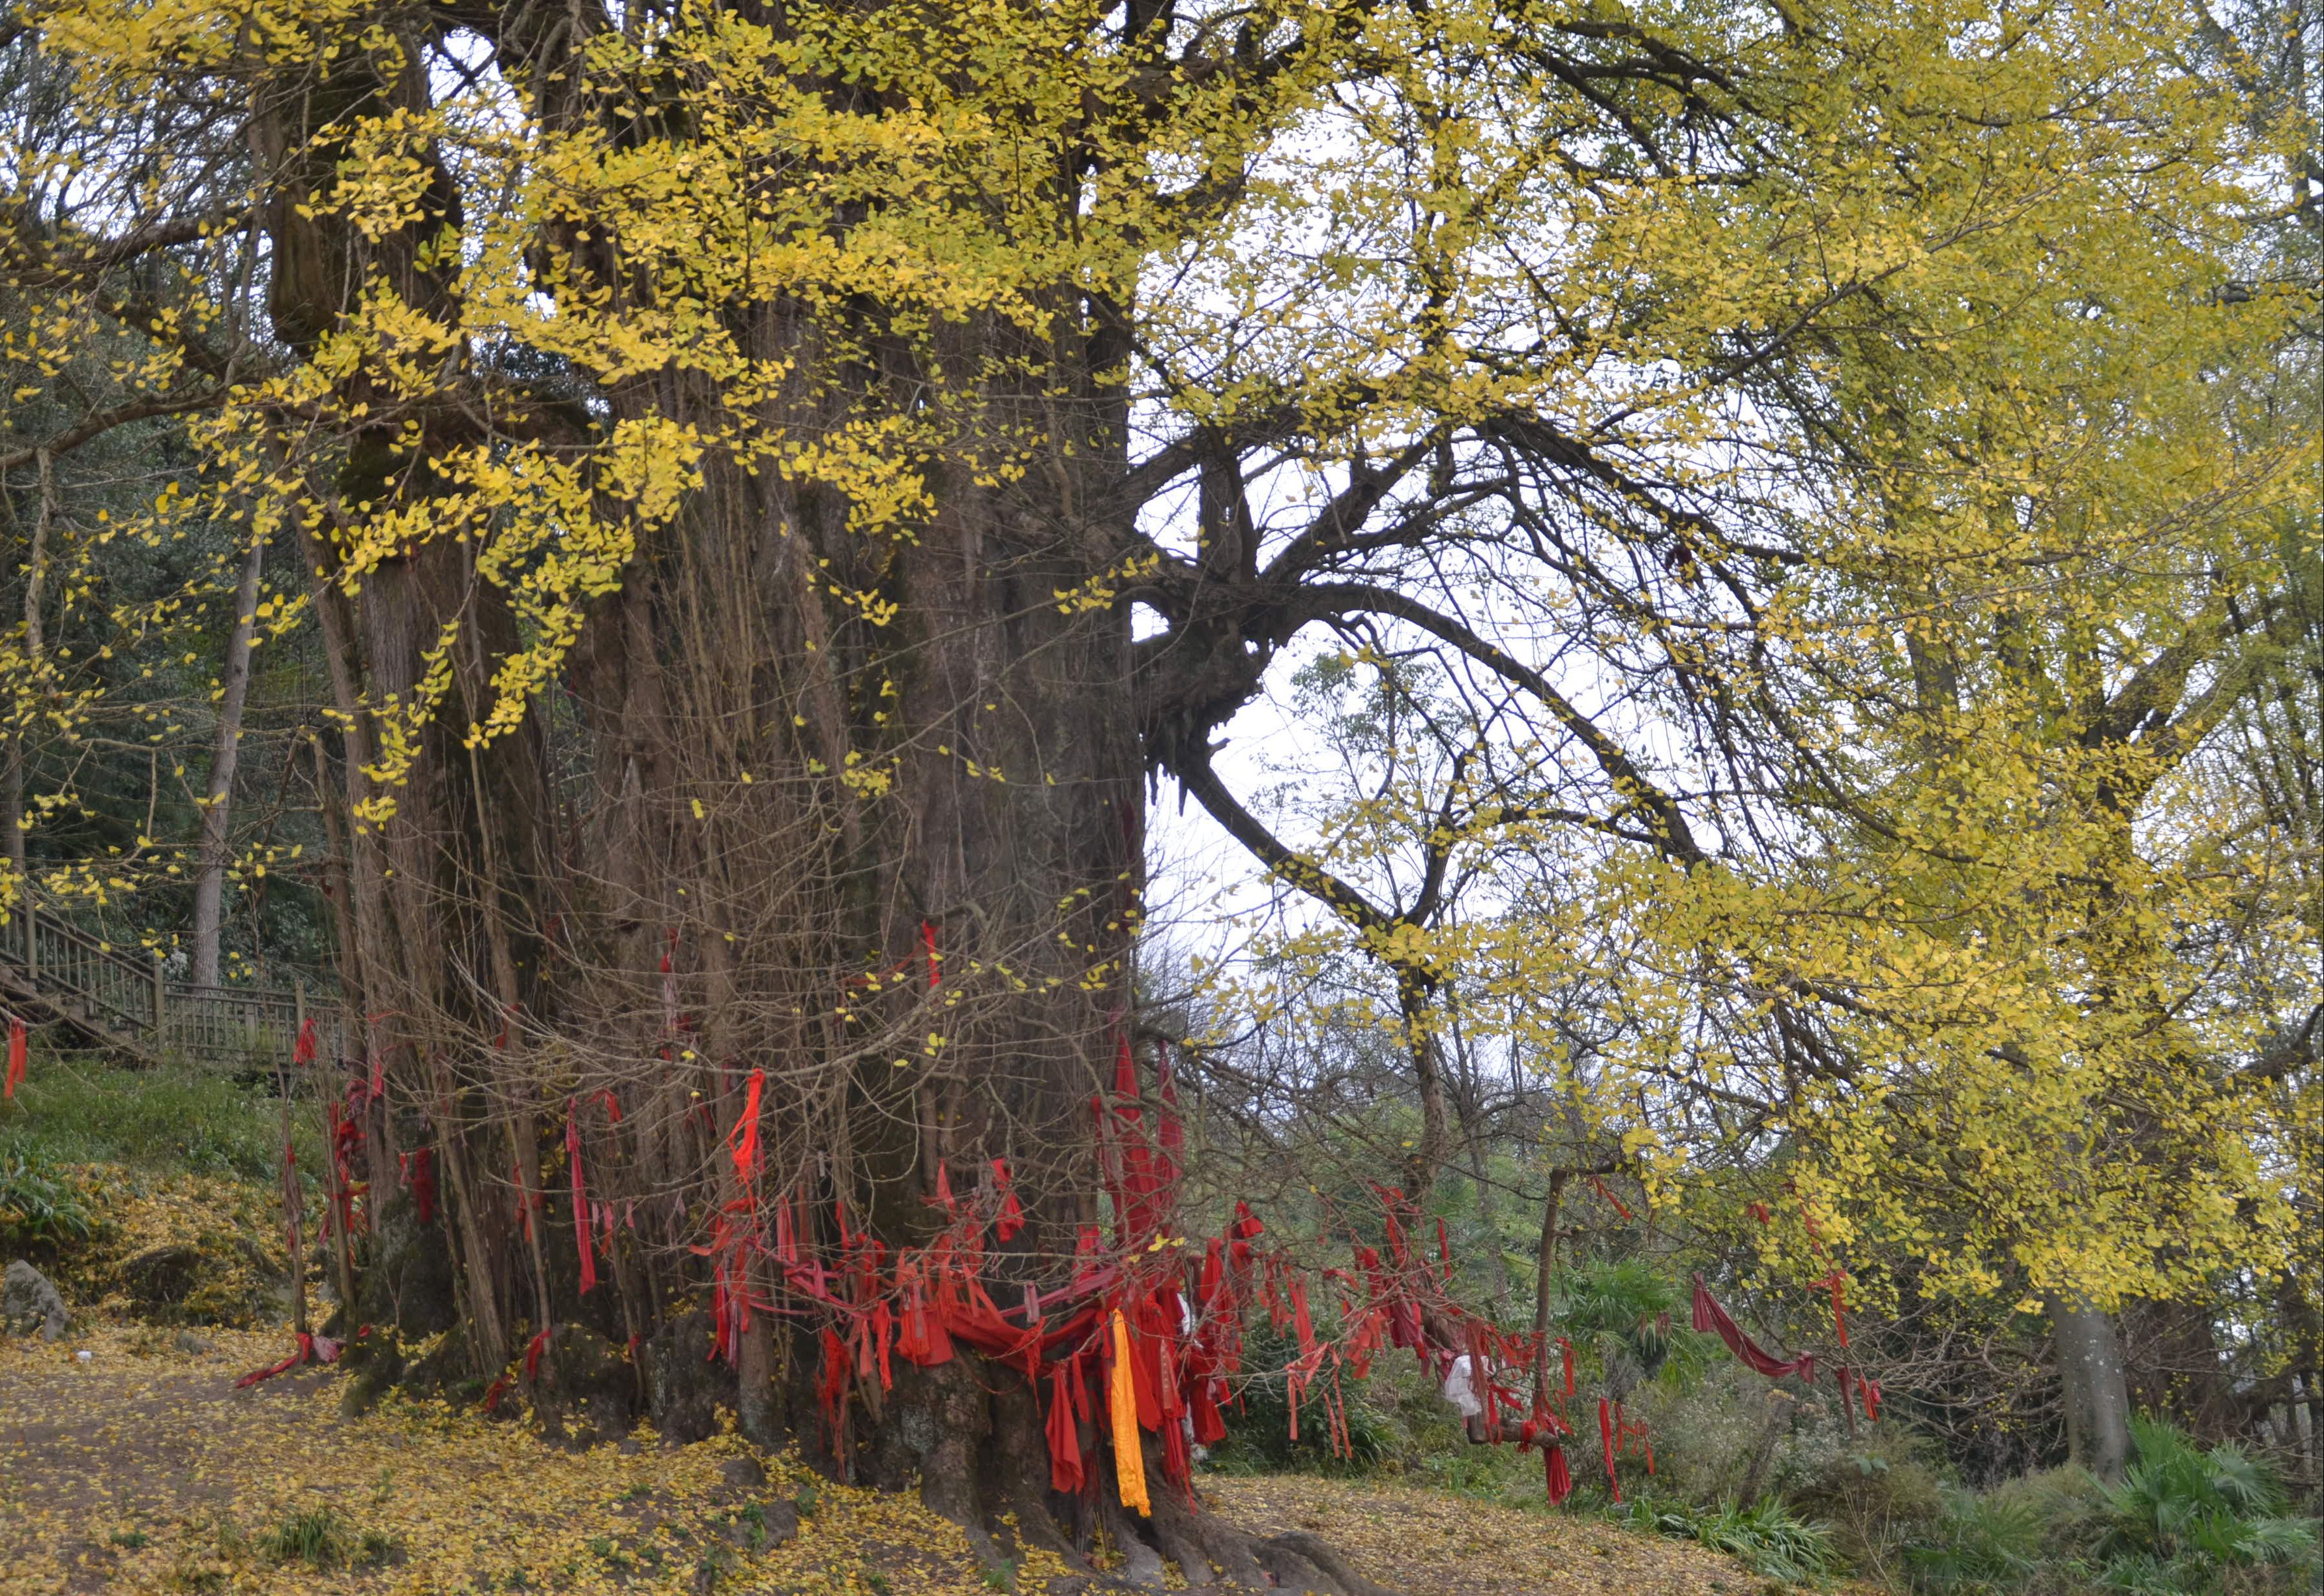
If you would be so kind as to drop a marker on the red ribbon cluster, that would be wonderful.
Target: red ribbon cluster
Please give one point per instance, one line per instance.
(311, 1349)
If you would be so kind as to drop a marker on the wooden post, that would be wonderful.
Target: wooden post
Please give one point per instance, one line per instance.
(298, 1009)
(32, 943)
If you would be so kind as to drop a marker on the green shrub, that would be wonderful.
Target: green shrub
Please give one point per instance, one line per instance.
(1878, 1492)
(1981, 1544)
(1764, 1535)
(1258, 1429)
(1627, 1317)
(43, 1211)
(2185, 1520)
(2183, 1516)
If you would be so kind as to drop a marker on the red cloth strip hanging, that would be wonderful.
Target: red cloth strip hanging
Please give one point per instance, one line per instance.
(534, 1348)
(419, 1179)
(831, 1391)
(16, 1052)
(1838, 1281)
(1012, 1217)
(745, 1135)
(929, 941)
(1560, 1478)
(1710, 1318)
(302, 1051)
(1066, 1474)
(311, 1349)
(1604, 1192)
(1606, 1445)
(580, 1200)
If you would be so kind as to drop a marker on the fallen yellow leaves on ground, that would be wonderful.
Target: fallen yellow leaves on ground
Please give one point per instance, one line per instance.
(138, 1468)
(235, 1267)
(1427, 1543)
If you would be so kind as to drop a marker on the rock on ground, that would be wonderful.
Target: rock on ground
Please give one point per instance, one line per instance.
(28, 1302)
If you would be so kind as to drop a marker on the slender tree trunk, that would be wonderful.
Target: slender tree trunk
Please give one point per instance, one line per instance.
(1544, 1276)
(36, 571)
(1427, 1159)
(217, 796)
(2095, 1388)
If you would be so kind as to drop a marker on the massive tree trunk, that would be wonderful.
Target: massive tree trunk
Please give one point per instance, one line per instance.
(799, 904)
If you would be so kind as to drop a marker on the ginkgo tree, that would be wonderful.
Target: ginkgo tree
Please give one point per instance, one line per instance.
(722, 454)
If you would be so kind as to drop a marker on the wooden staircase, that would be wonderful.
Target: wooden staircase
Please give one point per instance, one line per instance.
(54, 970)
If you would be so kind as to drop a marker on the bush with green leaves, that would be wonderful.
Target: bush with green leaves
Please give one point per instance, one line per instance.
(1625, 1318)
(2186, 1520)
(2184, 1516)
(1763, 1535)
(1258, 1425)
(43, 1209)
(1982, 1545)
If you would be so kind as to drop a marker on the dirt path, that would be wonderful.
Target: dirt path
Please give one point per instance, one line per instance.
(140, 1469)
(1429, 1544)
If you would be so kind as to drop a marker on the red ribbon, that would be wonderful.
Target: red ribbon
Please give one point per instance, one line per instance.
(1561, 1478)
(1610, 1197)
(302, 1051)
(746, 1133)
(929, 941)
(580, 1201)
(419, 1179)
(1606, 1444)
(311, 1349)
(831, 1391)
(1837, 1281)
(1710, 1318)
(1012, 1218)
(16, 1050)
(1066, 1474)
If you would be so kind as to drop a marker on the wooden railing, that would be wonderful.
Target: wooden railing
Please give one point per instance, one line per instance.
(130, 1002)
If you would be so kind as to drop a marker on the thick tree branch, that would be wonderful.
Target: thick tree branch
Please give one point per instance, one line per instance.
(1673, 835)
